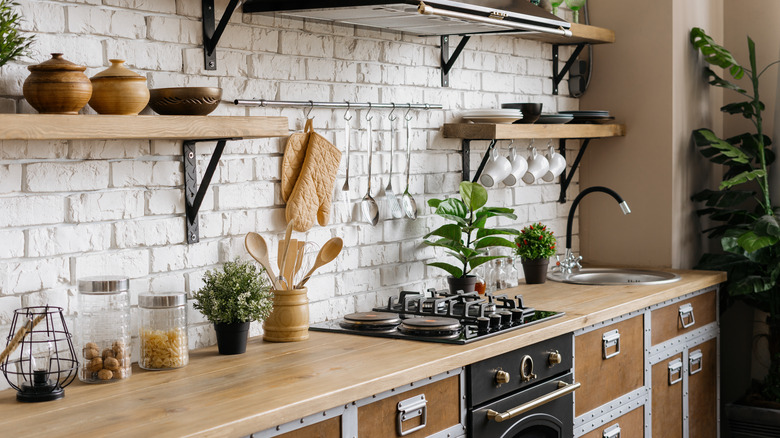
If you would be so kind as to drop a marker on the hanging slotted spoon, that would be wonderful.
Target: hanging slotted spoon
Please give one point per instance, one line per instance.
(392, 200)
(368, 205)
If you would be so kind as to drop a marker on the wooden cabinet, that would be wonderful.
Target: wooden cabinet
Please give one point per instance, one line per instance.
(667, 397)
(628, 425)
(683, 317)
(330, 428)
(702, 390)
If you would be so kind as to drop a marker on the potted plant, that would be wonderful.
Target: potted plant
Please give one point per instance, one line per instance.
(467, 238)
(535, 246)
(231, 299)
(744, 220)
(12, 43)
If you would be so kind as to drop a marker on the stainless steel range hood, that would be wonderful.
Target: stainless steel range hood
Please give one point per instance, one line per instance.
(428, 18)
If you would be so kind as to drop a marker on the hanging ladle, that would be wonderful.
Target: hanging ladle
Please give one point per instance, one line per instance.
(368, 205)
(409, 204)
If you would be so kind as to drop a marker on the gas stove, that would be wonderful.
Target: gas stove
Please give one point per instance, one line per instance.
(441, 316)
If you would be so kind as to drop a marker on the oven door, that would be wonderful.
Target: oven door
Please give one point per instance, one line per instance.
(541, 411)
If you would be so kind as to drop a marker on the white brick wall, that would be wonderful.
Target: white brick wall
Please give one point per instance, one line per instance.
(73, 208)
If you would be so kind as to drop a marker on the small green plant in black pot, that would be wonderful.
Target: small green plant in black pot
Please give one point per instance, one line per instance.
(231, 299)
(535, 246)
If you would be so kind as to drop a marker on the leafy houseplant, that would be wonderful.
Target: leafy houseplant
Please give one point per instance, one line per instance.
(745, 221)
(467, 238)
(535, 246)
(232, 298)
(12, 44)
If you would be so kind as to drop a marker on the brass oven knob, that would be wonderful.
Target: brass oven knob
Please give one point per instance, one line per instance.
(554, 358)
(502, 377)
(527, 368)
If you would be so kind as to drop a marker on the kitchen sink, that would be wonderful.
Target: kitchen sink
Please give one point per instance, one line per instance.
(612, 276)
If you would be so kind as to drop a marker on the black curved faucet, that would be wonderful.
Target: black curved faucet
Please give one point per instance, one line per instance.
(569, 260)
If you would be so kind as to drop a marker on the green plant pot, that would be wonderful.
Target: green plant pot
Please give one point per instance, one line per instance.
(467, 283)
(232, 337)
(535, 270)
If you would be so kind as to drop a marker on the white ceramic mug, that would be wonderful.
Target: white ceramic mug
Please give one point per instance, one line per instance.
(519, 167)
(557, 165)
(537, 167)
(496, 169)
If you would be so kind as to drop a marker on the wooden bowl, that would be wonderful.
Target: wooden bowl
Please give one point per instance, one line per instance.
(185, 101)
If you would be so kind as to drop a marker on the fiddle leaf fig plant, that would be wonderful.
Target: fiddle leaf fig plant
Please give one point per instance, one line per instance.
(745, 221)
(12, 43)
(468, 238)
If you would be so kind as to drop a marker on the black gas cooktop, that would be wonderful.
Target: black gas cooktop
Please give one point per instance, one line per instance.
(441, 316)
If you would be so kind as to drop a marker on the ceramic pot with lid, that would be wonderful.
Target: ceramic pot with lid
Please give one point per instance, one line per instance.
(118, 90)
(57, 86)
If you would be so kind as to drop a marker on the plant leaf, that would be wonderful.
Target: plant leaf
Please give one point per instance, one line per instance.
(452, 207)
(744, 108)
(715, 80)
(453, 270)
(490, 241)
(768, 225)
(714, 53)
(473, 195)
(492, 231)
(751, 284)
(742, 178)
(705, 137)
(476, 261)
(448, 231)
(434, 202)
(752, 242)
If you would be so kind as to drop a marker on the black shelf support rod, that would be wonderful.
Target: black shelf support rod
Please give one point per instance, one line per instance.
(193, 192)
(566, 178)
(447, 60)
(466, 154)
(558, 75)
(211, 35)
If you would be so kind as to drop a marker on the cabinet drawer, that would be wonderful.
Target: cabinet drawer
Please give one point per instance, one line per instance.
(703, 389)
(628, 425)
(667, 405)
(608, 362)
(330, 428)
(679, 318)
(442, 402)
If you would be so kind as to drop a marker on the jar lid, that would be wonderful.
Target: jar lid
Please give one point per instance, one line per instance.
(151, 300)
(106, 284)
(57, 63)
(118, 71)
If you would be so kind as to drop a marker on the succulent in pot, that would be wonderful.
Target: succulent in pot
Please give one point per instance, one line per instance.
(535, 246)
(468, 238)
(231, 299)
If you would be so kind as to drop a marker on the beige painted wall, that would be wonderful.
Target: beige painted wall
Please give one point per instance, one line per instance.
(649, 80)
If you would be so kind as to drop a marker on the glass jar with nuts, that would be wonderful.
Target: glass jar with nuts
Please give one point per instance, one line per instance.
(103, 329)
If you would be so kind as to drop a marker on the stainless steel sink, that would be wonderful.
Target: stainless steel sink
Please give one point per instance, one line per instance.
(613, 276)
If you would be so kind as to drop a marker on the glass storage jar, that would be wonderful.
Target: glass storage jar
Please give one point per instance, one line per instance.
(104, 329)
(163, 330)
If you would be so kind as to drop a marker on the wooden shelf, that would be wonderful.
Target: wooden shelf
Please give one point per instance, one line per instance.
(581, 33)
(490, 131)
(106, 127)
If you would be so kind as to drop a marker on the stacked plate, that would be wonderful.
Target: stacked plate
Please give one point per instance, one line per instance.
(555, 119)
(592, 116)
(492, 115)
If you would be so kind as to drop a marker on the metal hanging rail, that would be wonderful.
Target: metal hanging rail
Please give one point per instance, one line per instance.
(343, 105)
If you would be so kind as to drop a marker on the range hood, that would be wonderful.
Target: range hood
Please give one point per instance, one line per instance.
(425, 18)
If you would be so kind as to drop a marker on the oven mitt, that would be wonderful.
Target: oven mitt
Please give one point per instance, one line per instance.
(292, 160)
(310, 198)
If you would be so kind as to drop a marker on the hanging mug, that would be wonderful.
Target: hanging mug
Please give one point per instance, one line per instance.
(519, 167)
(557, 165)
(496, 169)
(537, 167)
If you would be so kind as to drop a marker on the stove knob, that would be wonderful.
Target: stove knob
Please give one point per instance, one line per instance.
(517, 316)
(506, 318)
(483, 324)
(527, 369)
(502, 377)
(495, 321)
(554, 358)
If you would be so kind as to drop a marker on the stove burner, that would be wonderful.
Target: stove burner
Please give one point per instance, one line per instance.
(431, 327)
(371, 321)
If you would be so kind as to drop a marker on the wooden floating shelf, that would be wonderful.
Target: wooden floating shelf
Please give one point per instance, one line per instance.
(581, 33)
(108, 127)
(490, 131)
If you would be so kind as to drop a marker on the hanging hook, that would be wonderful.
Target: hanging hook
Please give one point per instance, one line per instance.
(530, 145)
(368, 119)
(346, 113)
(311, 107)
(407, 117)
(391, 116)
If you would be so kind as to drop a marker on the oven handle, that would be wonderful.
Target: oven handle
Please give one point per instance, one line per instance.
(563, 389)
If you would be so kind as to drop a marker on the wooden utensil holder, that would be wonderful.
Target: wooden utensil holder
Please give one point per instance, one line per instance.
(289, 320)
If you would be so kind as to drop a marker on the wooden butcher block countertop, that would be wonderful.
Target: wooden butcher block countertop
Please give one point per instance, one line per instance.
(275, 383)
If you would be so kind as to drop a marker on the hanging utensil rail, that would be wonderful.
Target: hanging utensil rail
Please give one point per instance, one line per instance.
(344, 105)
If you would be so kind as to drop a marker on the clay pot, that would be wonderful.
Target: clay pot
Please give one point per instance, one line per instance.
(117, 90)
(57, 86)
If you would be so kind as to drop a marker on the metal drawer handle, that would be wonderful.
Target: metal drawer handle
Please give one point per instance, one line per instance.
(563, 389)
(686, 314)
(411, 408)
(609, 340)
(675, 367)
(695, 358)
(612, 431)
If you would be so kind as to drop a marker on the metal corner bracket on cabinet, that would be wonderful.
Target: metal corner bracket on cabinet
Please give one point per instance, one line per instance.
(194, 192)
(212, 34)
(448, 60)
(558, 75)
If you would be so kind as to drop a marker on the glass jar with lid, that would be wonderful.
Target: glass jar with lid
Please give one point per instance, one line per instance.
(104, 329)
(163, 330)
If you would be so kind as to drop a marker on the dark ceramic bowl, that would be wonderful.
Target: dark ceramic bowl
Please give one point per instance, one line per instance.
(185, 101)
(531, 111)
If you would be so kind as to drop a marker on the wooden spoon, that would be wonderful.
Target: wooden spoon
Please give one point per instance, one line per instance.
(329, 251)
(258, 249)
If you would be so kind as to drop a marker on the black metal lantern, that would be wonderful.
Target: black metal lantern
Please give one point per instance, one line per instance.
(46, 361)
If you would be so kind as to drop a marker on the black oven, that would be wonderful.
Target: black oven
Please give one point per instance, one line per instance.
(526, 393)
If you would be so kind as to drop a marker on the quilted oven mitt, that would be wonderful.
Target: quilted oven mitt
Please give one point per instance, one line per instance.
(292, 160)
(311, 196)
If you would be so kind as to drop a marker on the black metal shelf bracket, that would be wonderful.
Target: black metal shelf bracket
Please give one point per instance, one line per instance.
(193, 192)
(447, 60)
(558, 75)
(466, 154)
(566, 178)
(211, 35)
